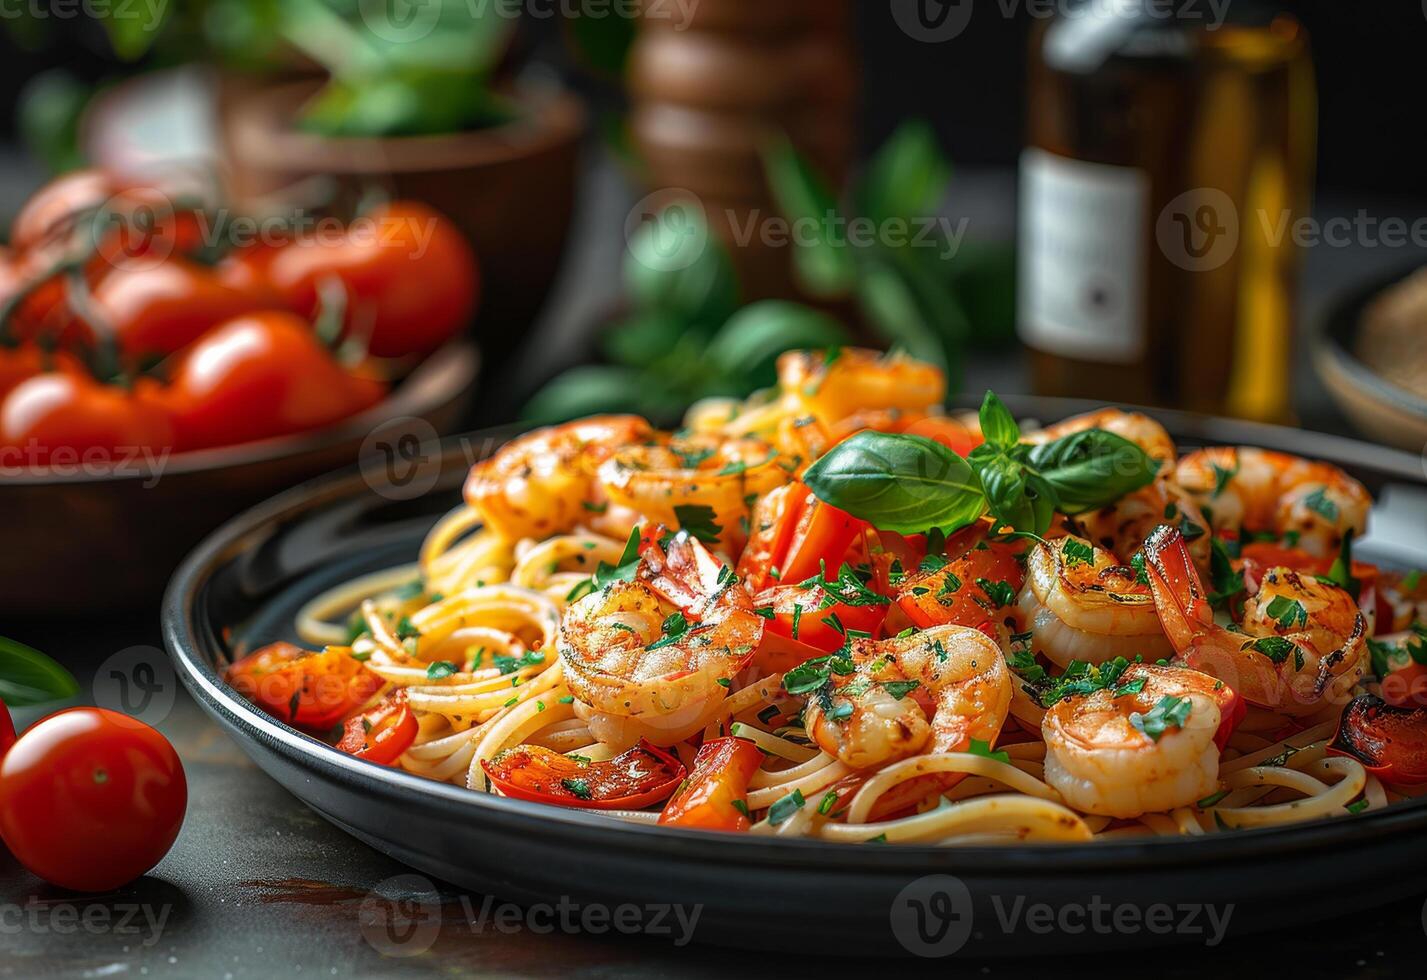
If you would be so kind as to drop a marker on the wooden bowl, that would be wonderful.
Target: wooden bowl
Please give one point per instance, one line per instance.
(510, 188)
(1382, 410)
(91, 542)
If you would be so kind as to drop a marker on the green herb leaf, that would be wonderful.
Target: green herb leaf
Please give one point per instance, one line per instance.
(698, 520)
(1170, 712)
(29, 677)
(440, 669)
(786, 807)
(899, 483)
(983, 749)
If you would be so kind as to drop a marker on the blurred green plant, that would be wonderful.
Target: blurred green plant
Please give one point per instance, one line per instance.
(918, 284)
(395, 67)
(683, 338)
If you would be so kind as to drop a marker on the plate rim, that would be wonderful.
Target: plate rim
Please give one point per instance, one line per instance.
(192, 650)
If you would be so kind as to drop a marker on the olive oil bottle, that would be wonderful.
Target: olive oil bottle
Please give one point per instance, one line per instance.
(1170, 149)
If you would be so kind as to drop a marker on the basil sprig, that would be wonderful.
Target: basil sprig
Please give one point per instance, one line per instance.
(909, 484)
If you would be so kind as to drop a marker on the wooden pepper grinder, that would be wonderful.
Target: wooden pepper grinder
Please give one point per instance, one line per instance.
(709, 88)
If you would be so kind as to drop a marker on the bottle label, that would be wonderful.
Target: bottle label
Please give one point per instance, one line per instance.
(1082, 265)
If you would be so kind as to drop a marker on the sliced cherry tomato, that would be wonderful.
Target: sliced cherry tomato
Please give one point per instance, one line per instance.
(641, 776)
(954, 435)
(820, 617)
(262, 375)
(382, 734)
(7, 730)
(411, 278)
(1391, 742)
(1406, 687)
(19, 364)
(970, 588)
(71, 412)
(794, 535)
(304, 688)
(90, 799)
(159, 308)
(709, 798)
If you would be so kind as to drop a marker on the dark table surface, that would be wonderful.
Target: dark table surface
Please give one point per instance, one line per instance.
(258, 885)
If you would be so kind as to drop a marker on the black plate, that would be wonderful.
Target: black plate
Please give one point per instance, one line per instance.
(242, 586)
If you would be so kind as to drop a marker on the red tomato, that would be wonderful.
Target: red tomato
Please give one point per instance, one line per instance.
(91, 799)
(71, 412)
(1391, 742)
(19, 364)
(812, 615)
(795, 533)
(947, 431)
(382, 734)
(46, 210)
(262, 375)
(411, 278)
(304, 688)
(7, 730)
(641, 776)
(158, 309)
(707, 799)
(961, 590)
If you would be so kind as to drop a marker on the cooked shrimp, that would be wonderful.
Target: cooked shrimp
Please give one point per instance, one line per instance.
(1302, 644)
(872, 715)
(539, 484)
(1257, 490)
(725, 475)
(652, 658)
(1080, 603)
(1123, 526)
(834, 386)
(1145, 745)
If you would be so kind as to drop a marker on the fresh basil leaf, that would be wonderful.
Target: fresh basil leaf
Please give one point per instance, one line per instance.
(998, 425)
(1341, 572)
(899, 483)
(1090, 469)
(29, 677)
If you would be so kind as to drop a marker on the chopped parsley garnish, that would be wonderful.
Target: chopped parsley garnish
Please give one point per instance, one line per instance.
(1318, 503)
(983, 749)
(1276, 648)
(509, 665)
(933, 563)
(1000, 593)
(439, 669)
(1288, 612)
(406, 631)
(607, 574)
(900, 689)
(826, 804)
(674, 629)
(786, 807)
(1076, 553)
(1222, 478)
(1227, 582)
(1137, 563)
(1170, 712)
(579, 788)
(698, 520)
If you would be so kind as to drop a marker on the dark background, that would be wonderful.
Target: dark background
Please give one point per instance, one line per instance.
(1369, 56)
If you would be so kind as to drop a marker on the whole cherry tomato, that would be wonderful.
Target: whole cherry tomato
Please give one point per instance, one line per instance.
(48, 208)
(304, 688)
(411, 278)
(159, 308)
(70, 411)
(91, 799)
(261, 375)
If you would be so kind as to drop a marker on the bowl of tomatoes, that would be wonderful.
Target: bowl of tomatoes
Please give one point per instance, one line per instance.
(165, 363)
